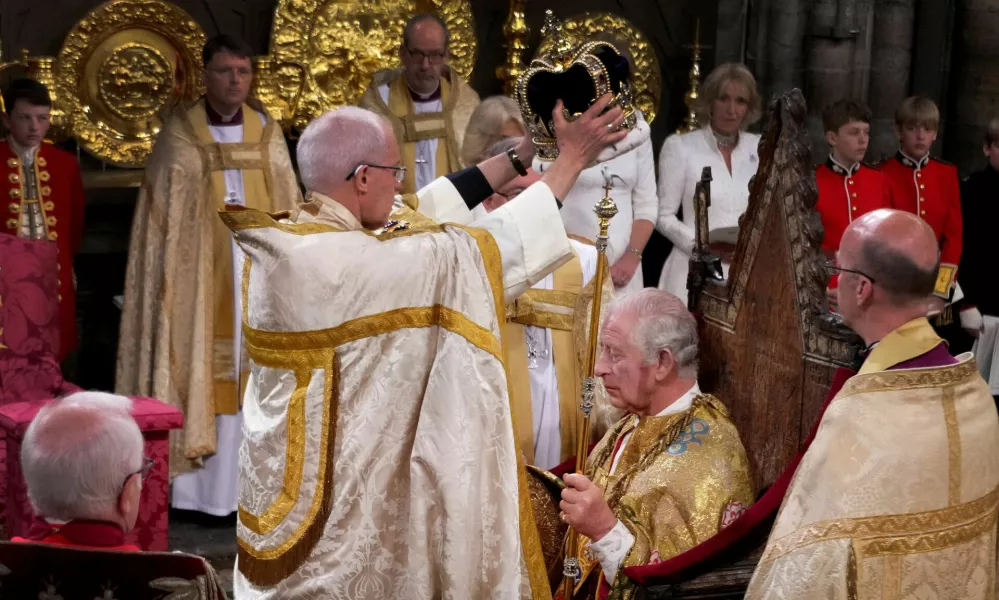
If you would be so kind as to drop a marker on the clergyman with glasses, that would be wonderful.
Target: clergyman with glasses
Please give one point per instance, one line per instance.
(180, 336)
(898, 490)
(83, 464)
(426, 101)
(374, 325)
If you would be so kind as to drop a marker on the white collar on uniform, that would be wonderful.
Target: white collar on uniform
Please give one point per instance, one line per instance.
(27, 154)
(683, 402)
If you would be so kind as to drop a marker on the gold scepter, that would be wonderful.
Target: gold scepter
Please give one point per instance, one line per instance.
(605, 210)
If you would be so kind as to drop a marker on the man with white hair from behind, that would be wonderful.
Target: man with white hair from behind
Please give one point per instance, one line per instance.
(83, 464)
(670, 474)
(378, 458)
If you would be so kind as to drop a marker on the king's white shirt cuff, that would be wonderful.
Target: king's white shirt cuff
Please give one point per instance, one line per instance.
(612, 549)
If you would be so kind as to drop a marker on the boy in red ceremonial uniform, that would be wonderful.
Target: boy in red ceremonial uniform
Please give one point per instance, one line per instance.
(927, 187)
(847, 187)
(42, 190)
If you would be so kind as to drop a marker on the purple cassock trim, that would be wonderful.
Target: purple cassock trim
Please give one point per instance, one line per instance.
(937, 357)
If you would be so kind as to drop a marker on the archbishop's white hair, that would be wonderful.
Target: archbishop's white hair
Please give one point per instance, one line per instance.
(77, 453)
(662, 322)
(336, 143)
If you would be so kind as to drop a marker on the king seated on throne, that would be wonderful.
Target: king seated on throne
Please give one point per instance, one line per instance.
(669, 475)
(426, 101)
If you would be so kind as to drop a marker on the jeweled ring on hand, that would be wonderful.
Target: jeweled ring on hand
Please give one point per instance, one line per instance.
(611, 126)
(562, 516)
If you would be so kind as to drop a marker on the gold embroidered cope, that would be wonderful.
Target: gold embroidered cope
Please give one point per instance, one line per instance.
(176, 341)
(898, 495)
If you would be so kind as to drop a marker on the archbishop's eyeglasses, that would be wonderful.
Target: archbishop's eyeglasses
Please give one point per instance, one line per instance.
(435, 58)
(399, 172)
(147, 466)
(833, 268)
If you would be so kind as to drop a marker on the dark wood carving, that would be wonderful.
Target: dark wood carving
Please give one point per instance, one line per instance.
(769, 345)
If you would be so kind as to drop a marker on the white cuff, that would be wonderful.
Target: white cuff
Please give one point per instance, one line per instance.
(530, 236)
(971, 318)
(441, 203)
(612, 549)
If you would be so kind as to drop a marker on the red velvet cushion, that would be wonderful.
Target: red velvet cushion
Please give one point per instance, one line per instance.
(29, 320)
(149, 415)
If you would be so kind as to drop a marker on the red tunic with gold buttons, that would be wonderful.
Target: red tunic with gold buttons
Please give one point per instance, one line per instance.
(844, 195)
(47, 204)
(930, 188)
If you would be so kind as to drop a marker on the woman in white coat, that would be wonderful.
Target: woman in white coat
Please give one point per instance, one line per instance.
(729, 103)
(634, 192)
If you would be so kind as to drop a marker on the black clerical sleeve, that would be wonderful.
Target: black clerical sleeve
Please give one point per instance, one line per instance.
(474, 188)
(472, 185)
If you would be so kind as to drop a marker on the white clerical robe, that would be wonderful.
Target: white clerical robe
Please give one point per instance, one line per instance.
(426, 150)
(681, 162)
(214, 488)
(541, 371)
(379, 459)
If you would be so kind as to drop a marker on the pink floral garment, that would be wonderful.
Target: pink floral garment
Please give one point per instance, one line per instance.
(29, 320)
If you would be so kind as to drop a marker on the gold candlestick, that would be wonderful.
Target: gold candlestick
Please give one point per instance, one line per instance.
(690, 98)
(605, 209)
(517, 32)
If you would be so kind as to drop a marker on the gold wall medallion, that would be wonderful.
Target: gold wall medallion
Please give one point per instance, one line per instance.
(646, 75)
(121, 70)
(324, 52)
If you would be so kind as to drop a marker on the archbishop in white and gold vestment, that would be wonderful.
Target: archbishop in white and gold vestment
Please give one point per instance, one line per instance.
(379, 457)
(897, 495)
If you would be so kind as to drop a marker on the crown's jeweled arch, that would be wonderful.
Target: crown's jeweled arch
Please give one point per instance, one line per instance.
(578, 72)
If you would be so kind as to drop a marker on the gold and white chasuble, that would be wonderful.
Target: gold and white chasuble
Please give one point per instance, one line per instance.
(379, 458)
(897, 495)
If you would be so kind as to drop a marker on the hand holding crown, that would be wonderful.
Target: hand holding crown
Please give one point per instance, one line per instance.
(581, 140)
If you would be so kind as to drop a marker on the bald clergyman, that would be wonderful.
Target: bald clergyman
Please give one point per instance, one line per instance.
(379, 457)
(897, 495)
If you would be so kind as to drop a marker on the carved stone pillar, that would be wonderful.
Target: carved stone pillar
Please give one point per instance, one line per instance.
(975, 87)
(831, 52)
(891, 59)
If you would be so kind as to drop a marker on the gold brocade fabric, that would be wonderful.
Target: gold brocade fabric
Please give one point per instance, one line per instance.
(459, 101)
(912, 339)
(565, 310)
(681, 478)
(379, 460)
(167, 346)
(897, 496)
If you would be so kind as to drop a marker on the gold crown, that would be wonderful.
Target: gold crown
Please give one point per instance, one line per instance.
(576, 72)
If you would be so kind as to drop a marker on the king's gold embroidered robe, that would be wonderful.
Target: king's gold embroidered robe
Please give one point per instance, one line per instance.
(379, 458)
(680, 478)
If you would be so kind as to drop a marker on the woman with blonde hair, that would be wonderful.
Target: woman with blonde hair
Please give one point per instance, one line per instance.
(494, 119)
(729, 103)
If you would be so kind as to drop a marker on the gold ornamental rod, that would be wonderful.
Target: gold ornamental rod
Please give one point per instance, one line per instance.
(690, 98)
(605, 209)
(517, 33)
